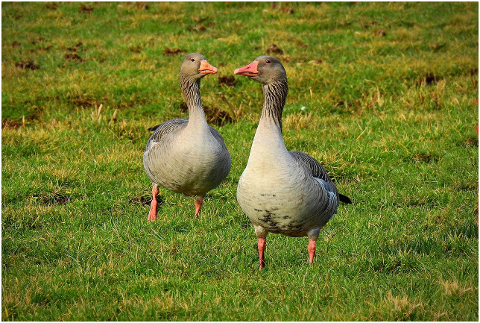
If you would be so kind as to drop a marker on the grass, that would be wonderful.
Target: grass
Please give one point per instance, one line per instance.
(385, 95)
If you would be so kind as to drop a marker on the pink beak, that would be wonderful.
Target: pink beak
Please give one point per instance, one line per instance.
(250, 70)
(206, 68)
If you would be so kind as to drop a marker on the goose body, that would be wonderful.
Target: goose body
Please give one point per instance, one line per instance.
(282, 191)
(187, 155)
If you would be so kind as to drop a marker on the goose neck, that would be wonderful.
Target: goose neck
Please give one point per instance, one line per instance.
(191, 93)
(274, 96)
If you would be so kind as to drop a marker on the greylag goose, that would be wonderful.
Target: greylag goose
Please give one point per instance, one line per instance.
(187, 155)
(282, 191)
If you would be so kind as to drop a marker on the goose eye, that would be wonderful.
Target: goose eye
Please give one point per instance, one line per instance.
(268, 61)
(192, 59)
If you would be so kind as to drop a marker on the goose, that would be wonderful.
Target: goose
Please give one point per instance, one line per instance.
(187, 155)
(281, 191)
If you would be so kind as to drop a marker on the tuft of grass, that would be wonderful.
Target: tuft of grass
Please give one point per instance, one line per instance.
(384, 95)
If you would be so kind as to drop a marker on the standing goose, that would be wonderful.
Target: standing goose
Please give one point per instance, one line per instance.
(282, 191)
(187, 155)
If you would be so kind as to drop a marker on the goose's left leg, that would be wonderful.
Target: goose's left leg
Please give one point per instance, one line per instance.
(311, 250)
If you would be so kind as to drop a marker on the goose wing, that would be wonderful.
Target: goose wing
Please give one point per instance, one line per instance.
(317, 170)
(217, 136)
(163, 129)
(312, 165)
(168, 126)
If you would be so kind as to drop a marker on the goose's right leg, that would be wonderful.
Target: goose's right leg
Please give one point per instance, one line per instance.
(198, 205)
(312, 240)
(152, 215)
(261, 234)
(261, 249)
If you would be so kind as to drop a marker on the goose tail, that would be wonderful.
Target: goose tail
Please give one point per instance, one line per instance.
(345, 199)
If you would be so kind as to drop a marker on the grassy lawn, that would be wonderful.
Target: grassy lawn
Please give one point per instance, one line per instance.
(384, 95)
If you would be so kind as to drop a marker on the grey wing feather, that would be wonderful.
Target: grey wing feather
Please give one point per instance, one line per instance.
(165, 128)
(318, 171)
(312, 164)
(217, 136)
(171, 125)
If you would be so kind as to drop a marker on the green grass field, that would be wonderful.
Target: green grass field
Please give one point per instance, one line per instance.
(384, 95)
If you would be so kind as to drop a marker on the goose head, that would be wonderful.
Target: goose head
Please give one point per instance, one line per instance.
(195, 66)
(264, 69)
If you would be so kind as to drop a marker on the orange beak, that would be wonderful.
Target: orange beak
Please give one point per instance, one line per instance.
(206, 68)
(250, 70)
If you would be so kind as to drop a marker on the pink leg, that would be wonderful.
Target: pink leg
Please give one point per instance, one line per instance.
(311, 250)
(198, 205)
(261, 248)
(152, 215)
